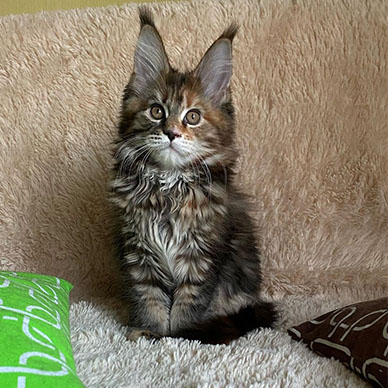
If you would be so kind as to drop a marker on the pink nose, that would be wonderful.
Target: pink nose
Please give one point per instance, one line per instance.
(172, 133)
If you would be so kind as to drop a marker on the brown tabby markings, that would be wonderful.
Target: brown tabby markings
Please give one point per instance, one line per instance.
(187, 245)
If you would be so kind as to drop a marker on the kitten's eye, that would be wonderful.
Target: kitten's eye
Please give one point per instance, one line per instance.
(193, 117)
(157, 112)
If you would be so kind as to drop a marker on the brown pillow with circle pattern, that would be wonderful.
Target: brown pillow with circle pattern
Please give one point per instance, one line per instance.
(356, 335)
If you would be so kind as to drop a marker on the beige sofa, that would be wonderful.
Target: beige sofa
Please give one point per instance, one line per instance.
(310, 89)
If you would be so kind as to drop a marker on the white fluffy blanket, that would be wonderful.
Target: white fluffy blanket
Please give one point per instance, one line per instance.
(267, 358)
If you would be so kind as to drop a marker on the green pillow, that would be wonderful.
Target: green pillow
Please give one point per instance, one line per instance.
(35, 349)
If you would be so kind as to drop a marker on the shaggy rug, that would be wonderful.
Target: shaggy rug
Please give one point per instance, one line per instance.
(269, 358)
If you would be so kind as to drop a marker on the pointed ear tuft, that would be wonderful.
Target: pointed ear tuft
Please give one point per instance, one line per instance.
(145, 16)
(215, 68)
(230, 32)
(150, 56)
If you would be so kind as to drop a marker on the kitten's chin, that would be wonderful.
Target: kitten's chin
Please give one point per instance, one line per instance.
(170, 158)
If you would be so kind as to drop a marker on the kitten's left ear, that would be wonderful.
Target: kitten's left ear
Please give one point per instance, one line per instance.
(150, 56)
(215, 68)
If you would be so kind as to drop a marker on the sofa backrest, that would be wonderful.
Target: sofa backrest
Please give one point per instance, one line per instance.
(310, 89)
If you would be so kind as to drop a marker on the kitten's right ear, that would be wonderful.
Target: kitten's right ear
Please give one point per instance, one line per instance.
(215, 68)
(150, 56)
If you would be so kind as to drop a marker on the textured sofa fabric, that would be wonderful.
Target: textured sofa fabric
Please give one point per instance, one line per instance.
(310, 92)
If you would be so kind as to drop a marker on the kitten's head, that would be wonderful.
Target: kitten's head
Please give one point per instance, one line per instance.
(177, 120)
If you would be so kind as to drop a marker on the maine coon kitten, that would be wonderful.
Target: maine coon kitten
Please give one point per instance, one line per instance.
(188, 253)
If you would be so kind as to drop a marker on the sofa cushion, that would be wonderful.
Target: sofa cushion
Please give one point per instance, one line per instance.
(35, 349)
(356, 335)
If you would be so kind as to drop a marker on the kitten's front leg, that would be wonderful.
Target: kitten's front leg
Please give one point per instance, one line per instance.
(189, 307)
(149, 302)
(193, 293)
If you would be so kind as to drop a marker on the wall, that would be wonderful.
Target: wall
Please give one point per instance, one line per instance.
(8, 7)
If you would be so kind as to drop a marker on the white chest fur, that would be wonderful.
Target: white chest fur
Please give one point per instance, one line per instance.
(172, 222)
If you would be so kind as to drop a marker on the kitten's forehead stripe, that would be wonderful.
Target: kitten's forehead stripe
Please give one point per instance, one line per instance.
(190, 98)
(181, 89)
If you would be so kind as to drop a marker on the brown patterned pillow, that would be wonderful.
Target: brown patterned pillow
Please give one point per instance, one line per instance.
(356, 335)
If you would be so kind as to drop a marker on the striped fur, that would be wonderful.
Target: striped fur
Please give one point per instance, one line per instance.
(189, 259)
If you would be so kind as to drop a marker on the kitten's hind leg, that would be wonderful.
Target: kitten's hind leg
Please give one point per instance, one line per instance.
(224, 329)
(134, 333)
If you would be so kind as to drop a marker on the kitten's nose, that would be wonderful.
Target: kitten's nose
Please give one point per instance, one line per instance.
(172, 133)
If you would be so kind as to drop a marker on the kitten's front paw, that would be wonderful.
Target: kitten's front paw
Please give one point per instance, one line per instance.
(135, 334)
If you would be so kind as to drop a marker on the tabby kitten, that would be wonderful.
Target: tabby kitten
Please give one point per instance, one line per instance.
(187, 248)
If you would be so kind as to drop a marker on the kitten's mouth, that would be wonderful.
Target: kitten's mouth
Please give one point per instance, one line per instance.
(172, 148)
(171, 155)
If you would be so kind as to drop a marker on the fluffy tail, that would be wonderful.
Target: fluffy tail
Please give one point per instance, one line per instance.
(222, 330)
